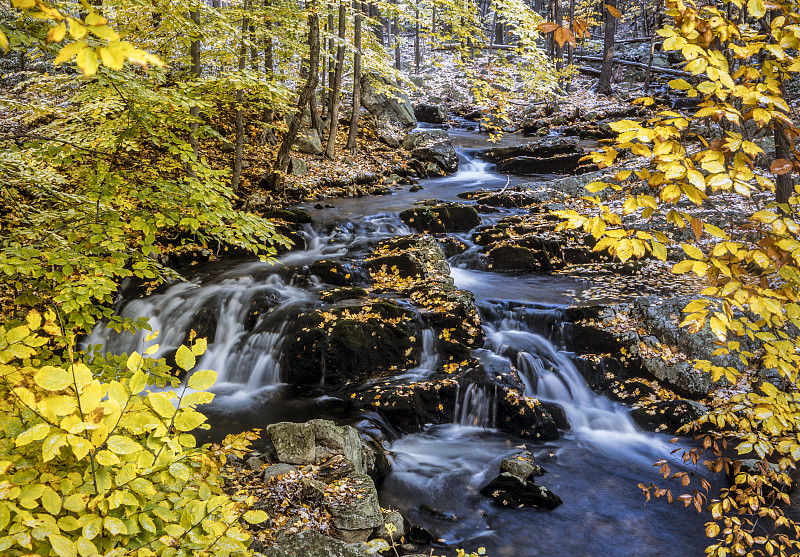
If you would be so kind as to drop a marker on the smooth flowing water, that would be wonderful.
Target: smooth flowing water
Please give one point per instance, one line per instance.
(247, 309)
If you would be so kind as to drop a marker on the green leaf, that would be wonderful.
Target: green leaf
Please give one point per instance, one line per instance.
(202, 379)
(161, 404)
(51, 501)
(180, 471)
(184, 358)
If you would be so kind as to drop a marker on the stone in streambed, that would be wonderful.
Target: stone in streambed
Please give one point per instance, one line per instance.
(294, 442)
(522, 466)
(331, 272)
(431, 113)
(446, 217)
(355, 507)
(509, 257)
(508, 490)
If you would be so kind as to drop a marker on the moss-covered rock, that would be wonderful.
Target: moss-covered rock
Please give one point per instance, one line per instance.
(438, 219)
(351, 343)
(511, 257)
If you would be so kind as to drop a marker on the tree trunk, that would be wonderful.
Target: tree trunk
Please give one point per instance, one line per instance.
(237, 161)
(784, 185)
(571, 49)
(330, 55)
(604, 83)
(397, 61)
(194, 111)
(282, 160)
(330, 150)
(351, 136)
(559, 50)
(268, 136)
(417, 51)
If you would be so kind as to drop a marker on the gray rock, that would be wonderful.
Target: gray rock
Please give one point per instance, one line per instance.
(254, 463)
(311, 543)
(298, 167)
(228, 147)
(308, 142)
(354, 536)
(414, 140)
(278, 470)
(389, 140)
(385, 102)
(520, 465)
(357, 513)
(400, 527)
(343, 440)
(313, 489)
(294, 443)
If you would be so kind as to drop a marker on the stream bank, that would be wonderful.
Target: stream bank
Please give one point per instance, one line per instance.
(409, 329)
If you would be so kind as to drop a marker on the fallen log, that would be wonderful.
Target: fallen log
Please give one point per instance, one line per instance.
(631, 63)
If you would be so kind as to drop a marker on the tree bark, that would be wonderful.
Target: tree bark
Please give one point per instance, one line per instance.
(282, 160)
(330, 150)
(268, 136)
(784, 184)
(354, 117)
(237, 161)
(604, 83)
(194, 111)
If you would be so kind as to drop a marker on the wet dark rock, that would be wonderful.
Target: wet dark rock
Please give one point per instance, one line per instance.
(332, 272)
(447, 217)
(525, 416)
(311, 543)
(452, 246)
(409, 408)
(431, 113)
(293, 216)
(411, 256)
(669, 414)
(343, 293)
(349, 347)
(546, 156)
(508, 490)
(517, 258)
(418, 535)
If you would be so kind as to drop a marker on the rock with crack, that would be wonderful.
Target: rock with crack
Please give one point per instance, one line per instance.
(311, 543)
(432, 147)
(441, 218)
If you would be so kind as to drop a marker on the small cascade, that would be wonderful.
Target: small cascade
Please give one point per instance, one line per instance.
(477, 406)
(428, 360)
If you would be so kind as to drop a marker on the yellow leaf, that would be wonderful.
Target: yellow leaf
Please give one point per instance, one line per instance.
(62, 546)
(692, 251)
(87, 62)
(161, 404)
(255, 517)
(659, 250)
(52, 378)
(56, 34)
(184, 358)
(202, 379)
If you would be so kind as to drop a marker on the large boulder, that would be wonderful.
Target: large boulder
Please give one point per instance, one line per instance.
(385, 101)
(311, 543)
(356, 506)
(446, 217)
(294, 442)
(331, 440)
(431, 113)
(308, 142)
(350, 343)
(546, 156)
(432, 147)
(508, 490)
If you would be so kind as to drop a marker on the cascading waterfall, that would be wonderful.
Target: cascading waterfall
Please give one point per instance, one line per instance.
(477, 406)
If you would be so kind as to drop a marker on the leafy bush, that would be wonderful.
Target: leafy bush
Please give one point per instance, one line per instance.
(96, 457)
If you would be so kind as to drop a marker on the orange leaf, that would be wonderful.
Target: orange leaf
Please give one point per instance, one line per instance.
(697, 227)
(613, 11)
(548, 26)
(563, 35)
(780, 166)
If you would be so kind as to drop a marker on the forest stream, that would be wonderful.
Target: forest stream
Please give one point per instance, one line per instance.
(436, 473)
